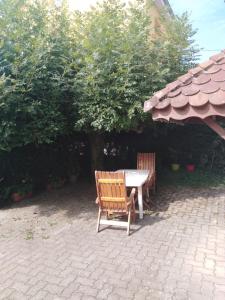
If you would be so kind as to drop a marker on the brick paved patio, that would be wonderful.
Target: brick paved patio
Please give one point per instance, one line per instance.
(49, 248)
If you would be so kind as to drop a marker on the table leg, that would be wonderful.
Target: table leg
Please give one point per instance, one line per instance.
(140, 202)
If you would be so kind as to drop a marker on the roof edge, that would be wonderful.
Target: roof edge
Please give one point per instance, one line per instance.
(183, 79)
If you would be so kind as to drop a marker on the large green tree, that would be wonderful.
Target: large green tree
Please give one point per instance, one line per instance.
(62, 71)
(122, 64)
(35, 72)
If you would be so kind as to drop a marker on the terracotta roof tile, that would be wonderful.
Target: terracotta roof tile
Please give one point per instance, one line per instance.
(174, 93)
(172, 114)
(201, 79)
(206, 64)
(217, 98)
(219, 76)
(179, 102)
(209, 87)
(162, 93)
(198, 99)
(185, 78)
(190, 90)
(163, 104)
(221, 62)
(217, 57)
(213, 69)
(199, 93)
(195, 71)
(149, 104)
(172, 86)
(222, 85)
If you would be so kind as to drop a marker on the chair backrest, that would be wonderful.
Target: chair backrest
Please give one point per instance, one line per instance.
(146, 161)
(111, 190)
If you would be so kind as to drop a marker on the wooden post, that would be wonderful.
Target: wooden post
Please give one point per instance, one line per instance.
(214, 126)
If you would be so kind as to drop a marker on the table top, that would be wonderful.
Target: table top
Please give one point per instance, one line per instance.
(134, 177)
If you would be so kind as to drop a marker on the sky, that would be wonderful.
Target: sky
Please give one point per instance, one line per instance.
(207, 16)
(81, 4)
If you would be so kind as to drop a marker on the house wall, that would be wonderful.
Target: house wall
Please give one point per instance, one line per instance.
(156, 9)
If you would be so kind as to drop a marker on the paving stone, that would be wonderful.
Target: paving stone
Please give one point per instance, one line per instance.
(41, 295)
(70, 289)
(88, 291)
(114, 296)
(198, 296)
(178, 251)
(76, 296)
(20, 287)
(53, 288)
(209, 264)
(219, 295)
(6, 293)
(104, 292)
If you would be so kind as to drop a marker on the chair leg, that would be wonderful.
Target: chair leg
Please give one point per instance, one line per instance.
(154, 186)
(133, 212)
(128, 225)
(146, 204)
(98, 222)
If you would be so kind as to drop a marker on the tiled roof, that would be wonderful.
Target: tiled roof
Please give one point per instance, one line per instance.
(198, 94)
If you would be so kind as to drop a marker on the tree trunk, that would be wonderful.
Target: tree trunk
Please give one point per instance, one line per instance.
(96, 142)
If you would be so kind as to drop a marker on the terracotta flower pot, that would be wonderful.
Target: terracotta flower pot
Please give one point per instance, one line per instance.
(17, 197)
(175, 167)
(29, 195)
(54, 185)
(190, 167)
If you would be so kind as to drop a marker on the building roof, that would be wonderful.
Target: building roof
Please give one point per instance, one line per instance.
(198, 94)
(164, 3)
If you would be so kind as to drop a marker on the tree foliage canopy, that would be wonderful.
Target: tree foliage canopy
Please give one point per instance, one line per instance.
(122, 64)
(35, 52)
(62, 71)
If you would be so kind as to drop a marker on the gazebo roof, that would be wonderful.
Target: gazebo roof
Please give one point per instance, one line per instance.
(199, 94)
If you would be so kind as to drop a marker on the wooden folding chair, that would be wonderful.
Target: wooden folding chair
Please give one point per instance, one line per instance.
(146, 161)
(112, 198)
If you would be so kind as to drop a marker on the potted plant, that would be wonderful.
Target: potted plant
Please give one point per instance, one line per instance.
(5, 195)
(17, 196)
(28, 190)
(55, 182)
(21, 191)
(175, 165)
(190, 166)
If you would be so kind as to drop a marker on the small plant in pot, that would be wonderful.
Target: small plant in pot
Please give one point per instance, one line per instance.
(190, 166)
(5, 193)
(55, 182)
(175, 165)
(21, 191)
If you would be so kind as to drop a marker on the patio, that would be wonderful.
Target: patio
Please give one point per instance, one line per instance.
(49, 248)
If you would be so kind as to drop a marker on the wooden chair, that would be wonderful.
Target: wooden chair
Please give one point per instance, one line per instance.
(112, 198)
(146, 161)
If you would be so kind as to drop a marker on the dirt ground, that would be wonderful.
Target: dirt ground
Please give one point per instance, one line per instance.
(48, 212)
